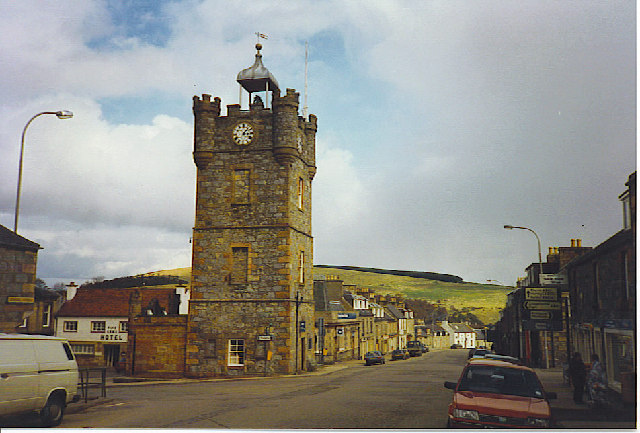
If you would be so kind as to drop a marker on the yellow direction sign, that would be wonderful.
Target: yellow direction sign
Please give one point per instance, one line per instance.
(541, 294)
(542, 305)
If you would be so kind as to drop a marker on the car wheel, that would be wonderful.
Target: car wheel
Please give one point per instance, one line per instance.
(52, 413)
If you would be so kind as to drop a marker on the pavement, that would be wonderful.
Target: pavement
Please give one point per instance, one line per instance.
(568, 414)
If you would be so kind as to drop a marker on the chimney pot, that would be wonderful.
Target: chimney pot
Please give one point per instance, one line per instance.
(573, 243)
(579, 242)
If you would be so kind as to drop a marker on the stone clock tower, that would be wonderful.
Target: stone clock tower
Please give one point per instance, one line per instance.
(251, 308)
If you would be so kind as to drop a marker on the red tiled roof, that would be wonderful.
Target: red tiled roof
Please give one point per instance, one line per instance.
(110, 302)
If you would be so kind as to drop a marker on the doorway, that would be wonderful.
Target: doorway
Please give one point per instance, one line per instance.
(111, 354)
(302, 354)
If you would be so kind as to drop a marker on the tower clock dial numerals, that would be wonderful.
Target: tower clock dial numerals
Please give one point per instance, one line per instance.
(243, 134)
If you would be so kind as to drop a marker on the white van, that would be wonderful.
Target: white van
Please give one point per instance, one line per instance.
(37, 373)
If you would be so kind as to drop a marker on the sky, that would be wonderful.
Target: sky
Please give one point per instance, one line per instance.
(438, 123)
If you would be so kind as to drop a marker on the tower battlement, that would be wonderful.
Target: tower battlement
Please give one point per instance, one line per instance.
(205, 104)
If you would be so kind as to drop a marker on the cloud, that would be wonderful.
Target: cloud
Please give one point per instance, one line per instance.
(438, 123)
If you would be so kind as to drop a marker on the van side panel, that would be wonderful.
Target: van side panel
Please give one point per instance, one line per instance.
(18, 377)
(55, 369)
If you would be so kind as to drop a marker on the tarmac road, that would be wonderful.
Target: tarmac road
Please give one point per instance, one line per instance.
(397, 395)
(401, 394)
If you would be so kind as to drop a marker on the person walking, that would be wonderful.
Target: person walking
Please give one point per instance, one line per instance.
(597, 381)
(578, 375)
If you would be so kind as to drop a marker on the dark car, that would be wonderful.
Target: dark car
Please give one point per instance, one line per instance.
(373, 357)
(493, 393)
(400, 354)
(415, 348)
(456, 346)
(477, 353)
(505, 358)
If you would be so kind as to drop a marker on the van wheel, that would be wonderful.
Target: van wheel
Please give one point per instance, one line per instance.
(51, 415)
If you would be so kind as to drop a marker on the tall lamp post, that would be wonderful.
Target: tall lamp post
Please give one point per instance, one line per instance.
(62, 114)
(510, 227)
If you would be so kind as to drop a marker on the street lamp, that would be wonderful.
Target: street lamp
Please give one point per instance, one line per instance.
(62, 114)
(510, 227)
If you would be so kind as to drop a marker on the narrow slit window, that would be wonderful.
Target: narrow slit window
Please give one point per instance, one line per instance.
(300, 193)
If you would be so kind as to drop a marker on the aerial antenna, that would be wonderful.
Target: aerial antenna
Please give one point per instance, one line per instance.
(305, 107)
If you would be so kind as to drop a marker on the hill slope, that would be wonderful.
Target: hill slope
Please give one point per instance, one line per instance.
(483, 300)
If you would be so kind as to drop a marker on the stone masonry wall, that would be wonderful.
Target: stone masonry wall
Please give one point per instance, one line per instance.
(248, 214)
(159, 343)
(17, 280)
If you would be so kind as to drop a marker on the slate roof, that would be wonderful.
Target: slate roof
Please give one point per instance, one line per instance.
(110, 302)
(460, 327)
(12, 240)
(395, 312)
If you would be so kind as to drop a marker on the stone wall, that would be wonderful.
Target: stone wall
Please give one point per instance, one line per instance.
(17, 283)
(156, 346)
(252, 246)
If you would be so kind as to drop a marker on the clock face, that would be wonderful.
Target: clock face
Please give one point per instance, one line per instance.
(300, 143)
(243, 133)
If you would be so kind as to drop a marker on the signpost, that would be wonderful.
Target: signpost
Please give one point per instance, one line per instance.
(542, 309)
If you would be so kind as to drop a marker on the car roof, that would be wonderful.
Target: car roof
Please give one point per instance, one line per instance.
(4, 336)
(497, 363)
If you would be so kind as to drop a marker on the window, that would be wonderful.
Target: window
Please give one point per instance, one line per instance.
(124, 326)
(70, 326)
(241, 189)
(301, 268)
(68, 351)
(240, 266)
(83, 349)
(300, 193)
(98, 326)
(46, 316)
(625, 274)
(236, 353)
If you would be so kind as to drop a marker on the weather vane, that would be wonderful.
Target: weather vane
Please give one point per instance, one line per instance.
(261, 35)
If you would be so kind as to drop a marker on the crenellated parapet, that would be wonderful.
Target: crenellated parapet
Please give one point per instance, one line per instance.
(205, 113)
(285, 114)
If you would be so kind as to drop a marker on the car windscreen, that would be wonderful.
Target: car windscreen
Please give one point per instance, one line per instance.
(500, 380)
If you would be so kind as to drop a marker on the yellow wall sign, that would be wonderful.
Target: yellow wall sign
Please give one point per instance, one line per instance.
(19, 300)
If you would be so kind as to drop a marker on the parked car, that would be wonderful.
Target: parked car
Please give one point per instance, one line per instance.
(492, 393)
(477, 352)
(415, 348)
(37, 373)
(456, 346)
(374, 357)
(505, 358)
(400, 354)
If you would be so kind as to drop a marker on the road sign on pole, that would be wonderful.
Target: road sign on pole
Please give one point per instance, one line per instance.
(542, 305)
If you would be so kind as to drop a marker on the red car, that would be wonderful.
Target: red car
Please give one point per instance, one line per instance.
(493, 393)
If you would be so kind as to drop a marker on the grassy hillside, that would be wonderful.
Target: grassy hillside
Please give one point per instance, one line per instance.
(483, 300)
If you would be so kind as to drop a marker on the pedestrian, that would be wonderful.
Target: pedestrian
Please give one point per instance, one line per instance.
(578, 374)
(597, 381)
